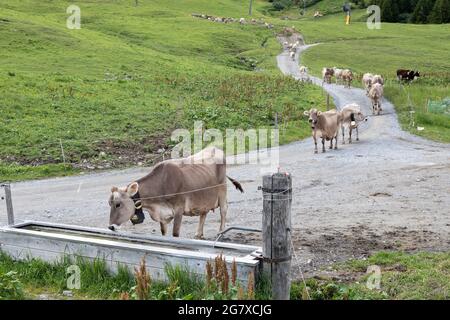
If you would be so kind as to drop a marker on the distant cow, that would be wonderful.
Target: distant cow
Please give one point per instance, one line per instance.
(407, 75)
(347, 77)
(367, 82)
(376, 94)
(338, 73)
(324, 125)
(327, 74)
(292, 55)
(377, 79)
(191, 186)
(351, 116)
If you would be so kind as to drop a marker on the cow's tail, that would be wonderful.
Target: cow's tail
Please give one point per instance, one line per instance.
(236, 184)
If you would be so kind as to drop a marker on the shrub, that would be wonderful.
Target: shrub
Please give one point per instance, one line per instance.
(10, 286)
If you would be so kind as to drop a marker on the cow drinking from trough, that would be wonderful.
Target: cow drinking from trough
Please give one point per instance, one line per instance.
(191, 186)
(324, 125)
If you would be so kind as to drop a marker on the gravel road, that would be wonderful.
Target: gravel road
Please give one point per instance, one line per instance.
(390, 190)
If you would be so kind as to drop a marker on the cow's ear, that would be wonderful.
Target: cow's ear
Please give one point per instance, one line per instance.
(306, 113)
(114, 189)
(132, 189)
(319, 113)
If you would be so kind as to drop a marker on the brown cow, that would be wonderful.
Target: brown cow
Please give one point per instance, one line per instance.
(324, 125)
(327, 74)
(347, 77)
(351, 116)
(191, 186)
(376, 94)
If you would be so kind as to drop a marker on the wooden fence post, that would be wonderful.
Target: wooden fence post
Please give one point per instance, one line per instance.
(9, 206)
(277, 200)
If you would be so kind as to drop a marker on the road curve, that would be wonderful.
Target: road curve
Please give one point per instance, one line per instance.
(388, 191)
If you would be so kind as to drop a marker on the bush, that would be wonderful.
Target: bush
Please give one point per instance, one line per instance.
(281, 4)
(10, 286)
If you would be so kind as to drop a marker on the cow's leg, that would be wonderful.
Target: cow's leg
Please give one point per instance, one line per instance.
(201, 223)
(343, 135)
(163, 228)
(178, 217)
(315, 144)
(323, 145)
(331, 143)
(350, 133)
(336, 141)
(223, 212)
(357, 134)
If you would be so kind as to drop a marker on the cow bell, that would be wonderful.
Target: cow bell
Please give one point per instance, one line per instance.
(138, 217)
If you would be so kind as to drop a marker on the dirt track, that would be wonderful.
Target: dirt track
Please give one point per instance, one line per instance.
(388, 191)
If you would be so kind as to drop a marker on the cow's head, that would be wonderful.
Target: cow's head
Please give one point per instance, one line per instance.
(122, 205)
(417, 74)
(313, 115)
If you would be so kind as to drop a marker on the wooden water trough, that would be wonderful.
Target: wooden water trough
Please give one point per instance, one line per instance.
(52, 242)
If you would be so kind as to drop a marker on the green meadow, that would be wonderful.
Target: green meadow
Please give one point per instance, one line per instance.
(111, 93)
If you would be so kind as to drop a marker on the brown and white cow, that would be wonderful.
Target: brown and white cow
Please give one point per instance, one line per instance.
(191, 186)
(367, 82)
(351, 117)
(324, 125)
(327, 74)
(347, 78)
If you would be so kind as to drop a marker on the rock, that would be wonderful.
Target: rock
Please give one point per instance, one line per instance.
(43, 297)
(67, 293)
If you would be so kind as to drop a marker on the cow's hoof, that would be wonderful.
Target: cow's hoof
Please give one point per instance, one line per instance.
(316, 152)
(357, 139)
(199, 237)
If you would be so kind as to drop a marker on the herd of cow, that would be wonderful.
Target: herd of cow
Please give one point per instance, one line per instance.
(326, 125)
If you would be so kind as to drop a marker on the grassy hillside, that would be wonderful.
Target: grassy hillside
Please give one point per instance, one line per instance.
(395, 46)
(111, 93)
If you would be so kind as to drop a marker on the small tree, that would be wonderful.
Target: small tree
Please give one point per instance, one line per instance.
(422, 11)
(389, 11)
(440, 12)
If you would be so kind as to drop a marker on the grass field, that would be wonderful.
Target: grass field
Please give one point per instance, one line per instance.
(111, 93)
(395, 46)
(420, 276)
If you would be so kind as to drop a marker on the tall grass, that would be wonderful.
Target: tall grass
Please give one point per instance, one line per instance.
(36, 276)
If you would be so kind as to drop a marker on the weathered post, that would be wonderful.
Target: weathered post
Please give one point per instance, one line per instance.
(9, 206)
(277, 200)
